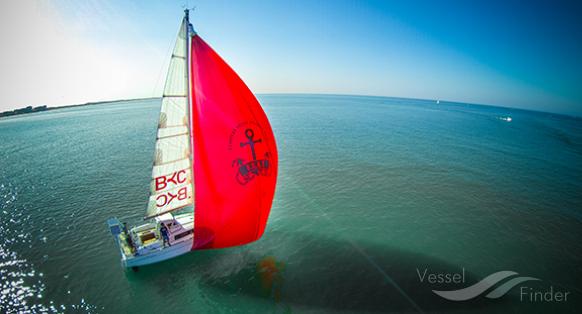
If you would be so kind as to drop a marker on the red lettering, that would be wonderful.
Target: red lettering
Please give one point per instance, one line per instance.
(176, 178)
(182, 193)
(168, 197)
(161, 183)
(180, 178)
(160, 197)
(173, 178)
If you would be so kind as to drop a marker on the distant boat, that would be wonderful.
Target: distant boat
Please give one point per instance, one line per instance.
(438, 101)
(215, 165)
(507, 119)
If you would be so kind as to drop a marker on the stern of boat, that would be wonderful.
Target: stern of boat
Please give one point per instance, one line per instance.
(114, 226)
(116, 229)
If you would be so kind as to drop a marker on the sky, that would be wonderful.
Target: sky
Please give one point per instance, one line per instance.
(523, 54)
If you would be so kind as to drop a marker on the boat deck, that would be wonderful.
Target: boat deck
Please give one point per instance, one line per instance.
(148, 243)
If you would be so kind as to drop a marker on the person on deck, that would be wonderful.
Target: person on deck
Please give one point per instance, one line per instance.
(164, 232)
(128, 238)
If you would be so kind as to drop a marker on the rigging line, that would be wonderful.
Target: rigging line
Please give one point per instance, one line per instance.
(362, 252)
(169, 50)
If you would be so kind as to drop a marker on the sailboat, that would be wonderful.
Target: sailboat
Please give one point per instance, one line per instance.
(215, 163)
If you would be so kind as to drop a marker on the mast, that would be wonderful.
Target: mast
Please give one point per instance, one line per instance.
(187, 74)
(189, 100)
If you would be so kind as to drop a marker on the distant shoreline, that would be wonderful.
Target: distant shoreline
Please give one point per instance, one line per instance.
(30, 109)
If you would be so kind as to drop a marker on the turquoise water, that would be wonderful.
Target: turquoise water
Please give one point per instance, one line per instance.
(371, 190)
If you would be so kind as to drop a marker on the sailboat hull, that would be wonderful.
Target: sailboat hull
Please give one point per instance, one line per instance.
(144, 245)
(157, 256)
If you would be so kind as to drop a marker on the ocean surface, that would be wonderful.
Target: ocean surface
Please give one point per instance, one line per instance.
(372, 193)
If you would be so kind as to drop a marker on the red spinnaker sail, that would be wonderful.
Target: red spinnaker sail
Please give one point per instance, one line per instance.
(235, 155)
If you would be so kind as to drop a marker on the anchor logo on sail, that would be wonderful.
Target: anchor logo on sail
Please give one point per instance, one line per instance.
(247, 170)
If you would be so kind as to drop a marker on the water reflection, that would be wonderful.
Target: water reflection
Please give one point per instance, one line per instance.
(270, 272)
(311, 272)
(22, 287)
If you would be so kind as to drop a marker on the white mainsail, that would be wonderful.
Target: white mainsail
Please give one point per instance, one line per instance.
(171, 185)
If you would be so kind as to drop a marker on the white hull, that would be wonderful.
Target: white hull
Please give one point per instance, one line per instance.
(147, 246)
(158, 255)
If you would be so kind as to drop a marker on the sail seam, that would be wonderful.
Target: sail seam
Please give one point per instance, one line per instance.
(170, 136)
(169, 162)
(176, 56)
(172, 126)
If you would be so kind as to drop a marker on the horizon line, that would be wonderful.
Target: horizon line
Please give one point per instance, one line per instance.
(89, 103)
